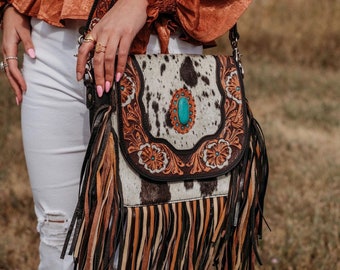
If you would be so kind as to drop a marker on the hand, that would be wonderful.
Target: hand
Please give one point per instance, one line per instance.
(16, 29)
(116, 31)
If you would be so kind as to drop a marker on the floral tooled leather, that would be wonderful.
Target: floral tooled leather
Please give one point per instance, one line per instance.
(153, 154)
(153, 158)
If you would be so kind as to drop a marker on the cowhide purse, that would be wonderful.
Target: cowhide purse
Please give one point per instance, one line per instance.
(176, 169)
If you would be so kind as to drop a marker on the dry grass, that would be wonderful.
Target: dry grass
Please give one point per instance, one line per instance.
(301, 122)
(18, 240)
(295, 31)
(291, 55)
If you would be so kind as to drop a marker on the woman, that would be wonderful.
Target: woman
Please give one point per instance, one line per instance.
(55, 122)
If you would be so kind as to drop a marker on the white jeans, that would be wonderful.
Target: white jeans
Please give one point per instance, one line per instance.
(55, 128)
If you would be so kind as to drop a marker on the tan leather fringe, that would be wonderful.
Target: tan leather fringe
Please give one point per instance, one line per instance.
(96, 222)
(209, 233)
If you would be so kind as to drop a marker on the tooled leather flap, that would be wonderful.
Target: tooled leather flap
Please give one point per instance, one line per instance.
(181, 117)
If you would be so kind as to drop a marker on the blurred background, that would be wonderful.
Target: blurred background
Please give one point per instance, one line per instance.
(291, 56)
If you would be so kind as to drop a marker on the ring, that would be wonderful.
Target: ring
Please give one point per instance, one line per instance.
(100, 48)
(11, 58)
(89, 38)
(3, 66)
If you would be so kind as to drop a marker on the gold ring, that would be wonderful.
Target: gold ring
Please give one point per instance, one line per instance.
(89, 38)
(11, 58)
(100, 48)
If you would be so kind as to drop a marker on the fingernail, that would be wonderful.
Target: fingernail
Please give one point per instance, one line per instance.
(79, 76)
(118, 76)
(99, 91)
(31, 53)
(17, 101)
(107, 86)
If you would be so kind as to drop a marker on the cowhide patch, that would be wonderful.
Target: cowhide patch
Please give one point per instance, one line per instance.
(200, 80)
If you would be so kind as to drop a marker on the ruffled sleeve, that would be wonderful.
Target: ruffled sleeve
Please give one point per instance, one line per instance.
(52, 12)
(157, 7)
(202, 20)
(206, 20)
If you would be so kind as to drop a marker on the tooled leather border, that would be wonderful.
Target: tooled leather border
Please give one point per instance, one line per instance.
(186, 154)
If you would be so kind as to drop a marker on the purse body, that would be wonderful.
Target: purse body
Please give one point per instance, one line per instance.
(189, 159)
(176, 169)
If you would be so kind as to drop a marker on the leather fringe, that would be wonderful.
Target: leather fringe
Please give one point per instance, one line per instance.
(96, 221)
(246, 198)
(210, 233)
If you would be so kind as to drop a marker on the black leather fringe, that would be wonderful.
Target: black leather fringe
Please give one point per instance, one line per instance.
(96, 223)
(210, 233)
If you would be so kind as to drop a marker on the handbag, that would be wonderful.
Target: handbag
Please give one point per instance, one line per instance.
(176, 169)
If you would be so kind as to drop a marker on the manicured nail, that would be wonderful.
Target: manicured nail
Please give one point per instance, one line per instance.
(17, 101)
(99, 91)
(118, 76)
(79, 76)
(31, 53)
(107, 86)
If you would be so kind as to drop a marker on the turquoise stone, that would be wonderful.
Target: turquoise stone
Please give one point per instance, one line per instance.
(183, 110)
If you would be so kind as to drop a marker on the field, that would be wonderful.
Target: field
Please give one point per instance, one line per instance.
(291, 56)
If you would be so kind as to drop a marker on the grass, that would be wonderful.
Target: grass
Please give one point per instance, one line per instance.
(18, 240)
(291, 52)
(301, 123)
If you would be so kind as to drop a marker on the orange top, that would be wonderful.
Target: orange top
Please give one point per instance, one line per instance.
(202, 21)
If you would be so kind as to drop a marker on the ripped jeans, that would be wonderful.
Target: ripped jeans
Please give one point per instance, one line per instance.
(55, 128)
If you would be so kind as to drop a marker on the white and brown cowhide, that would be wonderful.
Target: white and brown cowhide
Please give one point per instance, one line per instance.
(178, 161)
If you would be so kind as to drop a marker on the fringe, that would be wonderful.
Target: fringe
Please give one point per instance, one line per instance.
(246, 195)
(210, 233)
(97, 219)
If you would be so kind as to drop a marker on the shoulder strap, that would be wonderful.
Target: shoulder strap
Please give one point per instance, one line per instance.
(233, 38)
